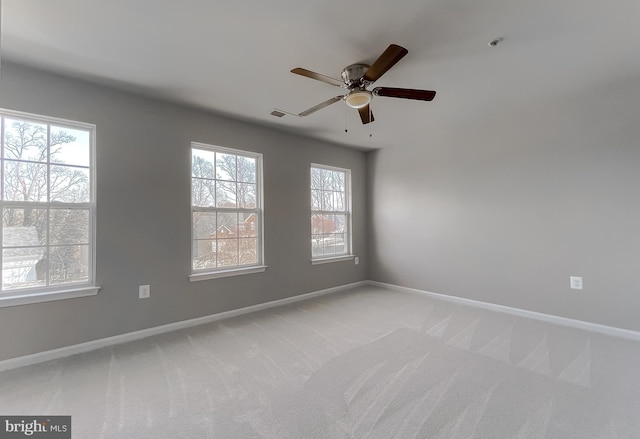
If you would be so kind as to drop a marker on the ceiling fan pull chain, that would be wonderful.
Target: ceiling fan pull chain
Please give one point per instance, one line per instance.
(345, 120)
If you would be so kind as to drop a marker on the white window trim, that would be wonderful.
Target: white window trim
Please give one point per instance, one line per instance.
(349, 254)
(207, 274)
(70, 290)
(331, 259)
(227, 273)
(46, 296)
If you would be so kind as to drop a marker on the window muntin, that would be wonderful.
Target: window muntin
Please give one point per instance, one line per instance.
(47, 204)
(330, 212)
(226, 209)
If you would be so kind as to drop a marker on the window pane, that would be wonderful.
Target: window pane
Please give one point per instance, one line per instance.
(69, 264)
(246, 196)
(203, 192)
(225, 167)
(204, 254)
(338, 181)
(204, 225)
(203, 163)
(70, 185)
(247, 224)
(24, 227)
(331, 244)
(226, 194)
(70, 146)
(328, 244)
(69, 226)
(316, 245)
(338, 201)
(248, 249)
(316, 199)
(318, 224)
(327, 200)
(227, 252)
(227, 225)
(25, 181)
(246, 169)
(23, 268)
(317, 178)
(340, 223)
(339, 243)
(25, 140)
(329, 223)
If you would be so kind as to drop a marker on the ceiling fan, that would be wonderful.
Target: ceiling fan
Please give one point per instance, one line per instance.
(357, 77)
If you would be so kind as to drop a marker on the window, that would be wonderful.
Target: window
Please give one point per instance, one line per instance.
(226, 212)
(47, 205)
(330, 212)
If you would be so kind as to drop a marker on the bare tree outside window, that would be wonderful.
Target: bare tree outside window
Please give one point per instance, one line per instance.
(46, 204)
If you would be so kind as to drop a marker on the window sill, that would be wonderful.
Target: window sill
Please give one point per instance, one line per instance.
(8, 299)
(227, 273)
(329, 260)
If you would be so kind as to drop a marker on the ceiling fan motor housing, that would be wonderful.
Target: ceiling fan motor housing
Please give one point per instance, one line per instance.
(352, 75)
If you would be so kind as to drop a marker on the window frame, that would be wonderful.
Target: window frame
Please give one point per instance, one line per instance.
(348, 254)
(27, 295)
(235, 270)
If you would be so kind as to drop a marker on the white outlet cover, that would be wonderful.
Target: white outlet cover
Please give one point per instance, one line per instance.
(575, 282)
(144, 291)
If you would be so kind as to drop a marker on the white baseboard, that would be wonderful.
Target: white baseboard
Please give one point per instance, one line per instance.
(549, 318)
(66, 351)
(40, 357)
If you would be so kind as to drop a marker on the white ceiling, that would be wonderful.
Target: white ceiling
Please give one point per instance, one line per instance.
(234, 56)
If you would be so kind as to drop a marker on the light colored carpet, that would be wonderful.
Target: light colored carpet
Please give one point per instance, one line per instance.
(366, 363)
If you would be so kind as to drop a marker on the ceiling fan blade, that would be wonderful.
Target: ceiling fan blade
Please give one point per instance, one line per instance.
(388, 59)
(405, 93)
(365, 114)
(318, 76)
(320, 106)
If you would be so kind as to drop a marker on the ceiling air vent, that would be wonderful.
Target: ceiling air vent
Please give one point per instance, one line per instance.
(277, 113)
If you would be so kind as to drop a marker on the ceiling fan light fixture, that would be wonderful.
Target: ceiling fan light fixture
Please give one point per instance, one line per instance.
(358, 98)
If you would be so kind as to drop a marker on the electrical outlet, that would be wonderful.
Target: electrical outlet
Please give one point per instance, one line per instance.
(144, 292)
(356, 260)
(575, 282)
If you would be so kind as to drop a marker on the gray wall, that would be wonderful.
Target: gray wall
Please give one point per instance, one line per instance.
(143, 220)
(505, 207)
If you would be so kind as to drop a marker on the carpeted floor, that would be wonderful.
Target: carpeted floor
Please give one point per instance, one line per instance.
(366, 363)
